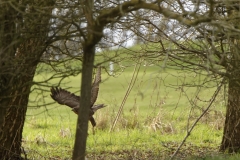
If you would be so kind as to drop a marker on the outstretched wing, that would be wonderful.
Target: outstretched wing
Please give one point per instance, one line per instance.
(64, 97)
(95, 86)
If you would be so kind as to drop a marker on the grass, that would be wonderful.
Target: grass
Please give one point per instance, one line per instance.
(160, 108)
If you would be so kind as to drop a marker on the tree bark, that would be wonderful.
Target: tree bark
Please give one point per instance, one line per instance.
(11, 113)
(19, 57)
(83, 114)
(231, 134)
(14, 99)
(87, 70)
(11, 132)
(7, 37)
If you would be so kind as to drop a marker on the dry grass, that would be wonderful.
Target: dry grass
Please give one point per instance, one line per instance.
(103, 120)
(215, 119)
(160, 124)
(65, 132)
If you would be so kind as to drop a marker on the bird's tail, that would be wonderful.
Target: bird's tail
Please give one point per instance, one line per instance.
(97, 106)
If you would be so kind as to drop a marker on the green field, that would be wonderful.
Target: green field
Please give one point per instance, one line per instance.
(161, 106)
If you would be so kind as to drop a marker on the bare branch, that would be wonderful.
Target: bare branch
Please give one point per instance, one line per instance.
(203, 113)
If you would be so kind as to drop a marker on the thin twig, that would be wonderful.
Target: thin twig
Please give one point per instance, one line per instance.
(194, 124)
(130, 86)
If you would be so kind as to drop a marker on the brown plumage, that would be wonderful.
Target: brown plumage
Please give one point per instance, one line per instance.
(66, 98)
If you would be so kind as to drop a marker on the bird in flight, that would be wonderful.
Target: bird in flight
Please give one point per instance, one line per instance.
(64, 97)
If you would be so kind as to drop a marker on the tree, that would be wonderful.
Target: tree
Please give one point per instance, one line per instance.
(24, 34)
(230, 61)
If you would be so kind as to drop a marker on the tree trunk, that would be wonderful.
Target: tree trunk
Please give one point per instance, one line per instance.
(87, 69)
(8, 35)
(19, 56)
(14, 98)
(13, 102)
(11, 131)
(83, 114)
(231, 134)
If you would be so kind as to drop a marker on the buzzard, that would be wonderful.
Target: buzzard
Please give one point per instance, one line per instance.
(64, 97)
